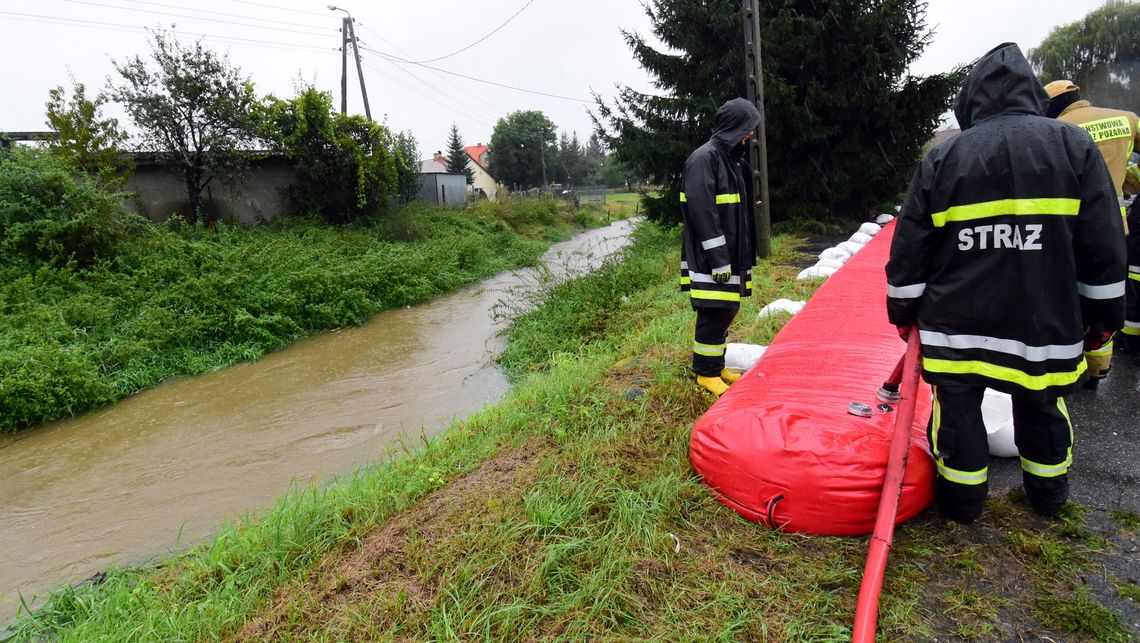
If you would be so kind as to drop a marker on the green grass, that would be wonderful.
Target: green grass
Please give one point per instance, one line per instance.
(182, 300)
(570, 511)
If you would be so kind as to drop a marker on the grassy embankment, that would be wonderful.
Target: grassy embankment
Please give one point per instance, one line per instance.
(181, 301)
(570, 511)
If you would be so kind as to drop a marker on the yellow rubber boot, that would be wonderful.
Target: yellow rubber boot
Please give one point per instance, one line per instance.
(715, 385)
(729, 376)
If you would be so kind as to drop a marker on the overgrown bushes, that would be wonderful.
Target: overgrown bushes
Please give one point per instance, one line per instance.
(186, 299)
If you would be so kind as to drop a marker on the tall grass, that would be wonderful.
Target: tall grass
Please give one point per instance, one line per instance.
(179, 300)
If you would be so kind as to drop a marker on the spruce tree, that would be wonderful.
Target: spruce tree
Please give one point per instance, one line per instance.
(845, 122)
(457, 156)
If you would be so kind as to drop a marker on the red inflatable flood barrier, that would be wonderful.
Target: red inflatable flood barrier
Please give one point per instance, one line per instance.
(780, 447)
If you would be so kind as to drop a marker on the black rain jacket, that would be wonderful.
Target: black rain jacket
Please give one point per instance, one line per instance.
(1009, 242)
(718, 211)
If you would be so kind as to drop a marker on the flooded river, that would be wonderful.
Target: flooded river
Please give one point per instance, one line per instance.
(160, 471)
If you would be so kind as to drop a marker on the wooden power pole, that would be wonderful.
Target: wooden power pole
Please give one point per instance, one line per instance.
(758, 147)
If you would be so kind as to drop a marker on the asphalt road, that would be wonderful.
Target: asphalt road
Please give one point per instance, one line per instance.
(1105, 475)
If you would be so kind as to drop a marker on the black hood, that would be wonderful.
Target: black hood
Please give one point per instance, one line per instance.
(1001, 82)
(734, 119)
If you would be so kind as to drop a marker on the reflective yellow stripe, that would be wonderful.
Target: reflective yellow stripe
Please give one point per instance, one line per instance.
(962, 477)
(1053, 470)
(1102, 351)
(1108, 128)
(936, 422)
(748, 284)
(714, 294)
(1019, 207)
(1134, 275)
(721, 199)
(685, 281)
(1131, 330)
(1003, 373)
(708, 350)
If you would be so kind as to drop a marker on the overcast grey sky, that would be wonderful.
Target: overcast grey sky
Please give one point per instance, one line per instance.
(561, 48)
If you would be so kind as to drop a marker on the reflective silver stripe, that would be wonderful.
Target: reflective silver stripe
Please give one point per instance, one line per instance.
(1135, 269)
(912, 291)
(714, 243)
(708, 350)
(1107, 291)
(684, 265)
(1131, 324)
(1007, 346)
(1047, 470)
(708, 279)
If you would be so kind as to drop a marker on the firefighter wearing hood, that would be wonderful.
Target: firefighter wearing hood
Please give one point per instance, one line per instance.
(1009, 257)
(1116, 134)
(718, 247)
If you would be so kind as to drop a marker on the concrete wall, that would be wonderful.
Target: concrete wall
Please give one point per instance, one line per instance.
(445, 189)
(261, 194)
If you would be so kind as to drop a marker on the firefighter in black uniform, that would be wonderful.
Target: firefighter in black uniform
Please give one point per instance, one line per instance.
(718, 246)
(1009, 257)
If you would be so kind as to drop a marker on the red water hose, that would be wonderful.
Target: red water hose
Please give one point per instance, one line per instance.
(867, 609)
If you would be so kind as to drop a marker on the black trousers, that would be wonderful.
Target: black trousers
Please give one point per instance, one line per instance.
(1042, 432)
(710, 339)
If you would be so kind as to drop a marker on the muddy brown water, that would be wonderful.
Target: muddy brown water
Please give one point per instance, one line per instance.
(160, 471)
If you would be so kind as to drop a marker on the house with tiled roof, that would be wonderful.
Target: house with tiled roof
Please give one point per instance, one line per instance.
(477, 161)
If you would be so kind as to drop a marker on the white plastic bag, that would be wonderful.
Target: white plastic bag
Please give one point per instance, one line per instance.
(850, 247)
(884, 219)
(860, 238)
(780, 306)
(830, 263)
(741, 357)
(870, 229)
(815, 272)
(835, 254)
(997, 415)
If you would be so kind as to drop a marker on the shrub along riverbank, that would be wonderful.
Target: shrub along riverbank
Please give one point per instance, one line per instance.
(173, 300)
(570, 511)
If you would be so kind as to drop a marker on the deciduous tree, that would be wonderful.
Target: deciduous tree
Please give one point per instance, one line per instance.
(519, 148)
(1100, 52)
(194, 109)
(86, 140)
(845, 122)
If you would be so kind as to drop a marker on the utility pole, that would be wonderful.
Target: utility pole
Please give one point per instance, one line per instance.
(359, 71)
(344, 65)
(758, 144)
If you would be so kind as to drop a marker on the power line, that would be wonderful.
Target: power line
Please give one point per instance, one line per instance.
(219, 13)
(273, 6)
(397, 59)
(116, 26)
(493, 31)
(470, 110)
(427, 96)
(190, 17)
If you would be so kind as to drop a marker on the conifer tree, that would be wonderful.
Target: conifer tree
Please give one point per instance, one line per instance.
(457, 156)
(845, 122)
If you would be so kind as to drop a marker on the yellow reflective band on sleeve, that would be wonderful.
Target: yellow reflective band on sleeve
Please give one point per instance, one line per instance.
(708, 350)
(685, 281)
(1004, 207)
(1003, 373)
(748, 284)
(1108, 128)
(962, 477)
(721, 199)
(683, 198)
(714, 295)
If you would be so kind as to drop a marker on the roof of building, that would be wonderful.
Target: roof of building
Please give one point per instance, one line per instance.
(475, 152)
(432, 166)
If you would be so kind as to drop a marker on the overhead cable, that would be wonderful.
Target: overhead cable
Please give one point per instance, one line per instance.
(191, 17)
(493, 31)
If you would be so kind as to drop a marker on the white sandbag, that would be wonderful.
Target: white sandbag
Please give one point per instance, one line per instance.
(860, 238)
(870, 229)
(741, 357)
(884, 219)
(835, 254)
(830, 263)
(850, 247)
(780, 306)
(815, 272)
(997, 415)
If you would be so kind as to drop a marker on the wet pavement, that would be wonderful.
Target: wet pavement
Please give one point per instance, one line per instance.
(1104, 477)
